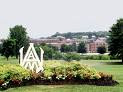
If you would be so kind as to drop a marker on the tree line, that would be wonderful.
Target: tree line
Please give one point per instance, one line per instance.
(18, 38)
(79, 35)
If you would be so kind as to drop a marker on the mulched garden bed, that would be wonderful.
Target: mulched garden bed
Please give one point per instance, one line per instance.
(73, 81)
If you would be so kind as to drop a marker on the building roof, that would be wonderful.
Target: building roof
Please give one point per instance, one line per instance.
(99, 41)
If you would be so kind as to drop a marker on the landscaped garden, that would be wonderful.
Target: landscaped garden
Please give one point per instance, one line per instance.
(106, 66)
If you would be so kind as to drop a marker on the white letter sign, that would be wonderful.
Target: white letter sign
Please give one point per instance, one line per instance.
(31, 60)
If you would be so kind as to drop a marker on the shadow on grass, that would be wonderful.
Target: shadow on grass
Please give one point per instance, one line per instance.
(112, 63)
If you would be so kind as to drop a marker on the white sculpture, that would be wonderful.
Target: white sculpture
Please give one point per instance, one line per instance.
(31, 60)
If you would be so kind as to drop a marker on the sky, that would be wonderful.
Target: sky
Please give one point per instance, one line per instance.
(43, 18)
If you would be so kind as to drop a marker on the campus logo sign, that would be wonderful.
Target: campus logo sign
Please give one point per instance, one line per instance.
(31, 60)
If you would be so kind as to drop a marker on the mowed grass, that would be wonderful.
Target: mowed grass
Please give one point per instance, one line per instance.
(12, 60)
(107, 66)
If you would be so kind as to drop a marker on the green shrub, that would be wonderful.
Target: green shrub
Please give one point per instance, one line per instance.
(54, 71)
(71, 56)
(9, 72)
(66, 69)
(95, 57)
(114, 58)
(57, 55)
(105, 57)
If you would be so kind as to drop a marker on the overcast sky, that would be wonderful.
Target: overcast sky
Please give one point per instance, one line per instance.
(45, 17)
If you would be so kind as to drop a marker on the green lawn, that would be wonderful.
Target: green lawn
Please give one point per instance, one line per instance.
(105, 66)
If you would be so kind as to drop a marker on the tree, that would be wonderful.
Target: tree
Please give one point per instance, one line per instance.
(53, 47)
(81, 48)
(116, 39)
(80, 34)
(66, 48)
(73, 47)
(8, 47)
(50, 52)
(101, 50)
(0, 48)
(71, 56)
(19, 33)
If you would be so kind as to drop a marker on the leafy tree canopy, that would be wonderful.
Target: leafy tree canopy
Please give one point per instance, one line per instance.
(80, 34)
(116, 39)
(81, 48)
(8, 47)
(101, 50)
(19, 33)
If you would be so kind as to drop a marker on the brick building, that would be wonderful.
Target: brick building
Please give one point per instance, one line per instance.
(92, 46)
(58, 41)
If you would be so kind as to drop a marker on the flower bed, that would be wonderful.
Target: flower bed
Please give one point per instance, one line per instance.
(55, 73)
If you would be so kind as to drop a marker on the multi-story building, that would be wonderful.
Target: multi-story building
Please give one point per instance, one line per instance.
(93, 46)
(58, 41)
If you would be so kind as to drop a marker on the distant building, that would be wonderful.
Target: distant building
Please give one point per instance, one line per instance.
(93, 36)
(93, 46)
(85, 39)
(58, 41)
